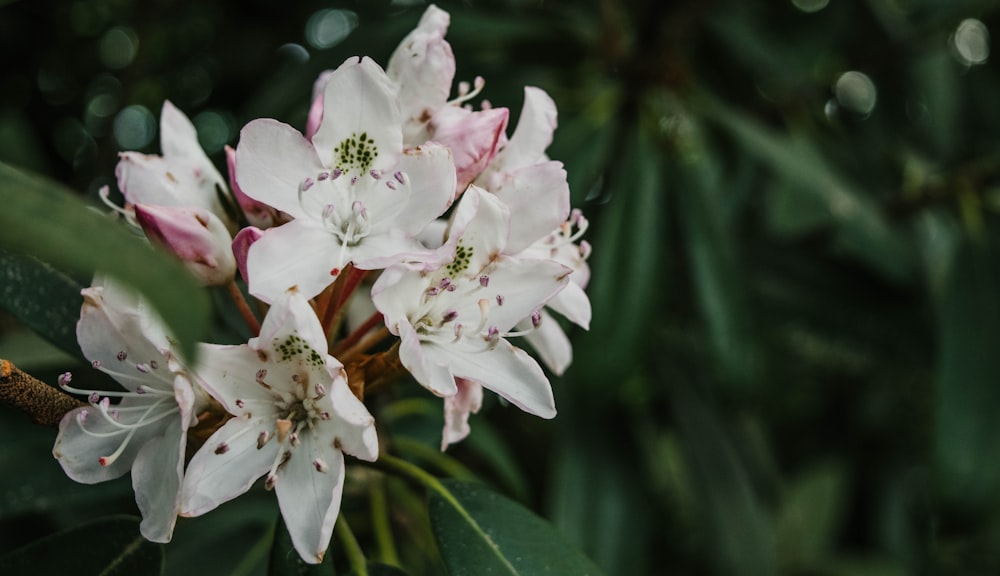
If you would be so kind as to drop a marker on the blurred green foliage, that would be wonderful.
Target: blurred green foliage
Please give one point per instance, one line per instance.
(793, 364)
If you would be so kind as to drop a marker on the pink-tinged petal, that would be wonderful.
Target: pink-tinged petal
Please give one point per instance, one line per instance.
(533, 133)
(241, 246)
(257, 213)
(506, 370)
(361, 127)
(573, 303)
(481, 225)
(299, 253)
(156, 478)
(229, 376)
(423, 66)
(550, 343)
(434, 376)
(272, 162)
(473, 138)
(316, 109)
(457, 409)
(148, 179)
(227, 465)
(392, 293)
(309, 496)
(430, 173)
(523, 286)
(194, 235)
(538, 199)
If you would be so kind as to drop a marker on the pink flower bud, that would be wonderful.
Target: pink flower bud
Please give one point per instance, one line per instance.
(473, 137)
(258, 214)
(241, 246)
(195, 235)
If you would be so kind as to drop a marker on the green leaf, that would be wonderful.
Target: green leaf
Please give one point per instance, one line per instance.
(481, 532)
(44, 299)
(379, 569)
(107, 547)
(809, 517)
(285, 561)
(44, 219)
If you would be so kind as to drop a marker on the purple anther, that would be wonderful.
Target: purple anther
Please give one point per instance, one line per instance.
(575, 215)
(536, 318)
(432, 291)
(96, 363)
(140, 389)
(81, 417)
(142, 367)
(499, 299)
(240, 403)
(121, 356)
(445, 283)
(94, 398)
(323, 176)
(336, 174)
(354, 179)
(375, 174)
(222, 448)
(270, 482)
(458, 330)
(105, 403)
(390, 184)
(320, 390)
(493, 336)
(293, 439)
(319, 465)
(358, 207)
(261, 374)
(585, 249)
(451, 288)
(154, 364)
(114, 414)
(324, 415)
(64, 379)
(449, 316)
(306, 184)
(400, 177)
(262, 439)
(484, 280)
(328, 211)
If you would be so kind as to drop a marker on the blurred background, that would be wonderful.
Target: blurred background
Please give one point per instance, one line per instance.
(794, 362)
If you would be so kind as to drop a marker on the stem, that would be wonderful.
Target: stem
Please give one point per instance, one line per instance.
(413, 473)
(241, 303)
(387, 369)
(343, 286)
(381, 526)
(45, 404)
(360, 331)
(256, 553)
(365, 343)
(439, 460)
(355, 556)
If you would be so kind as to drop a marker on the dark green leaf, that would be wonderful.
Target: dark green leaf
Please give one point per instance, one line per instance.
(107, 547)
(44, 299)
(43, 219)
(809, 516)
(481, 532)
(378, 569)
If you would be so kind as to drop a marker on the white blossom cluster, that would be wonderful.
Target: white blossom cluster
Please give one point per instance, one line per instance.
(467, 233)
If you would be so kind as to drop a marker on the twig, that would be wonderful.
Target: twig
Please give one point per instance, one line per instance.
(45, 404)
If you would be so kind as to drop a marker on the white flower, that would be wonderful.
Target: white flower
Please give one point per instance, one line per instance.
(146, 432)
(453, 322)
(294, 416)
(354, 195)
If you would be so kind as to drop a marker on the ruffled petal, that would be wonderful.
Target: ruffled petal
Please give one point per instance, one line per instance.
(423, 66)
(457, 409)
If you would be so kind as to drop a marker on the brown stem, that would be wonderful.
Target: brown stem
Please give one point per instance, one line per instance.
(241, 303)
(45, 404)
(364, 344)
(360, 331)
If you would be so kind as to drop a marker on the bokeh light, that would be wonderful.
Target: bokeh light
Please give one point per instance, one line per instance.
(856, 91)
(134, 127)
(971, 42)
(327, 28)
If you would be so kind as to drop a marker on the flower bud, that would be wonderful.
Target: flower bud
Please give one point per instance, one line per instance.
(473, 137)
(195, 235)
(241, 246)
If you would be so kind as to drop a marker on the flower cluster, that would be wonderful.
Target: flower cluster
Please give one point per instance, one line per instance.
(402, 234)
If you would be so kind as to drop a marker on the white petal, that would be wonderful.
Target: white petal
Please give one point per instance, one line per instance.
(79, 453)
(217, 475)
(523, 286)
(431, 174)
(156, 479)
(434, 376)
(352, 424)
(229, 374)
(310, 499)
(395, 292)
(482, 224)
(533, 133)
(299, 253)
(573, 303)
(550, 343)
(457, 409)
(538, 199)
(272, 161)
(423, 65)
(360, 112)
(506, 370)
(292, 314)
(383, 250)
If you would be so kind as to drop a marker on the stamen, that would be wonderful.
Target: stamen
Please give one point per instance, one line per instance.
(484, 280)
(324, 415)
(320, 391)
(240, 403)
(319, 465)
(449, 316)
(400, 177)
(96, 363)
(154, 364)
(122, 356)
(336, 174)
(306, 184)
(585, 249)
(391, 185)
(94, 398)
(261, 374)
(263, 439)
(458, 332)
(499, 299)
(140, 389)
(466, 95)
(222, 448)
(432, 291)
(293, 439)
(142, 367)
(358, 207)
(105, 195)
(354, 180)
(272, 479)
(323, 176)
(375, 174)
(64, 379)
(536, 318)
(493, 337)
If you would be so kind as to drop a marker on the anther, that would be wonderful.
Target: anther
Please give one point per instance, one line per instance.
(261, 374)
(432, 291)
(354, 179)
(375, 174)
(96, 363)
(449, 316)
(324, 415)
(400, 177)
(323, 176)
(536, 318)
(270, 482)
(81, 417)
(142, 367)
(140, 389)
(499, 299)
(358, 207)
(306, 184)
(493, 336)
(293, 439)
(64, 379)
(94, 398)
(391, 185)
(122, 355)
(484, 280)
(458, 331)
(154, 364)
(319, 465)
(320, 390)
(240, 403)
(262, 439)
(222, 448)
(336, 174)
(445, 283)
(585, 249)
(114, 414)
